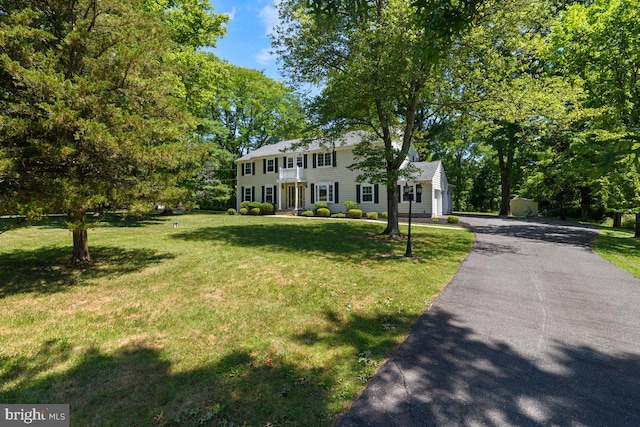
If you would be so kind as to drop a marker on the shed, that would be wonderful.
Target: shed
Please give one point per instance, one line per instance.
(523, 207)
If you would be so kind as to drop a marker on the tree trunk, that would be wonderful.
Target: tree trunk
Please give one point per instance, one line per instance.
(505, 190)
(584, 202)
(80, 240)
(637, 234)
(393, 229)
(617, 220)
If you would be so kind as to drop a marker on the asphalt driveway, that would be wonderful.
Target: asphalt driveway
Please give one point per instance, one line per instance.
(534, 329)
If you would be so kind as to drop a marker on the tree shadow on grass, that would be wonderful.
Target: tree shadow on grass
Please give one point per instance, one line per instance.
(47, 270)
(135, 386)
(339, 240)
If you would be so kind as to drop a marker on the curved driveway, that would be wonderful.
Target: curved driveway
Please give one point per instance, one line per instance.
(534, 329)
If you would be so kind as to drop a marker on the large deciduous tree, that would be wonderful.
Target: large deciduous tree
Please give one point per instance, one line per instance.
(377, 63)
(92, 110)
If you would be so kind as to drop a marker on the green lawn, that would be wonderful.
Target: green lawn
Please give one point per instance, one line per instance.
(621, 248)
(224, 319)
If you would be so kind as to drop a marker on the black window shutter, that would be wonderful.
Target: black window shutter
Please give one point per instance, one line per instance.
(335, 189)
(398, 189)
(253, 194)
(242, 167)
(304, 160)
(335, 159)
(313, 194)
(276, 168)
(418, 194)
(241, 194)
(253, 168)
(273, 196)
(264, 166)
(358, 193)
(314, 160)
(376, 193)
(263, 194)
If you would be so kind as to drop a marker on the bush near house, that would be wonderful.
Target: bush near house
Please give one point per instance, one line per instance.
(324, 212)
(231, 211)
(354, 213)
(350, 205)
(244, 211)
(264, 208)
(255, 211)
(384, 215)
(339, 215)
(307, 213)
(452, 219)
(372, 215)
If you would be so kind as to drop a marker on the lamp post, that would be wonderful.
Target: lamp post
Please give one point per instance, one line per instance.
(408, 194)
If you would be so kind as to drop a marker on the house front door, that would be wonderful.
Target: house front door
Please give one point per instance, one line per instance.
(292, 196)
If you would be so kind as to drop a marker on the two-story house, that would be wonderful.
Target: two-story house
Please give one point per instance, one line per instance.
(294, 179)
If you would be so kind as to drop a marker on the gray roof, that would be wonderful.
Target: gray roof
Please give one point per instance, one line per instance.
(281, 147)
(427, 170)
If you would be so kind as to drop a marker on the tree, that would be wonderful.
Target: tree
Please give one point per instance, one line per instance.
(92, 111)
(598, 44)
(499, 63)
(377, 62)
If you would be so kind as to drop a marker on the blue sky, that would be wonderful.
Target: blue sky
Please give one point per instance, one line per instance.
(247, 42)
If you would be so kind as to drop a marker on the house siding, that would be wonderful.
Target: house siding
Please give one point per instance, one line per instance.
(344, 181)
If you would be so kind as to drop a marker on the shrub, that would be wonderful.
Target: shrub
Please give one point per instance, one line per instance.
(628, 221)
(307, 213)
(350, 205)
(324, 212)
(354, 213)
(231, 211)
(453, 219)
(372, 215)
(267, 208)
(384, 215)
(244, 211)
(255, 211)
(320, 205)
(435, 219)
(339, 215)
(244, 205)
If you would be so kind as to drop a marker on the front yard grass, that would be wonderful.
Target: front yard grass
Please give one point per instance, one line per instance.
(621, 248)
(223, 319)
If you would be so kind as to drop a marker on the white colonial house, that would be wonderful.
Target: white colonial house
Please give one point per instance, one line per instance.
(293, 179)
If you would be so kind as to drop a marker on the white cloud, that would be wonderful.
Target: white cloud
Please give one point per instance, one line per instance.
(231, 14)
(264, 57)
(269, 17)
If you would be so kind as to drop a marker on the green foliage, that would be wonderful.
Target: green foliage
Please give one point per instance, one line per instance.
(339, 215)
(244, 211)
(354, 213)
(350, 205)
(323, 212)
(267, 208)
(254, 211)
(231, 211)
(452, 219)
(320, 205)
(435, 220)
(307, 213)
(372, 215)
(384, 215)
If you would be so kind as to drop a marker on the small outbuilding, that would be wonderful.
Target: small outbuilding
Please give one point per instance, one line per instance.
(523, 207)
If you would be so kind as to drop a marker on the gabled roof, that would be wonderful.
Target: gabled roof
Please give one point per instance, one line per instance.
(279, 148)
(427, 170)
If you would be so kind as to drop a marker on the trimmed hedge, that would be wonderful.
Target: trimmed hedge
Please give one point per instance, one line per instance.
(350, 205)
(255, 211)
(231, 211)
(354, 213)
(321, 205)
(264, 208)
(372, 215)
(384, 215)
(339, 215)
(307, 213)
(324, 212)
(453, 219)
(244, 211)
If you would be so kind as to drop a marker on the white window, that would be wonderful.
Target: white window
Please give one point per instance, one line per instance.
(299, 161)
(324, 192)
(247, 194)
(366, 193)
(324, 160)
(289, 162)
(268, 194)
(271, 166)
(248, 168)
